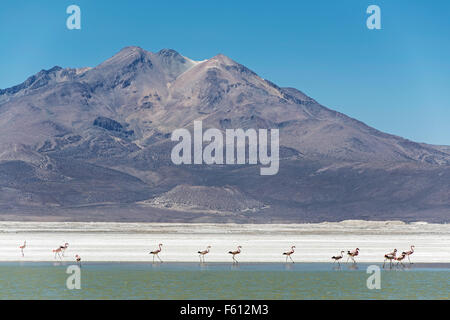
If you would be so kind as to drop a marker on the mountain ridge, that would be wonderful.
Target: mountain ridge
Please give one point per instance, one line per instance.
(116, 119)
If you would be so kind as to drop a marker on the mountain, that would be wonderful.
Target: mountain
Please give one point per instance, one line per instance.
(94, 144)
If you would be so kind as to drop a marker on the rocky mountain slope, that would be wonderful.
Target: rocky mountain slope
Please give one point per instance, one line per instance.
(94, 144)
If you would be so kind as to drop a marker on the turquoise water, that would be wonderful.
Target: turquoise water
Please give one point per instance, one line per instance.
(221, 281)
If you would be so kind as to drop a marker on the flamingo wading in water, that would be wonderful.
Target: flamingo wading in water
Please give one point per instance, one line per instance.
(233, 253)
(352, 254)
(64, 248)
(408, 253)
(156, 253)
(202, 254)
(337, 258)
(22, 247)
(57, 251)
(400, 258)
(390, 256)
(289, 253)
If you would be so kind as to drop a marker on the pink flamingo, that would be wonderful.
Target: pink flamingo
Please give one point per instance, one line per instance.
(203, 253)
(399, 259)
(408, 253)
(233, 253)
(352, 254)
(57, 251)
(23, 247)
(337, 258)
(289, 253)
(64, 248)
(156, 252)
(390, 256)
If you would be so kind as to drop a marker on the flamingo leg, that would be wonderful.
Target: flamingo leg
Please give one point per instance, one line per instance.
(291, 259)
(159, 258)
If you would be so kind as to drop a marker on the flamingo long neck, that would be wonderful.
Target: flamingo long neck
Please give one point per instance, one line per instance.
(239, 249)
(159, 247)
(292, 249)
(412, 248)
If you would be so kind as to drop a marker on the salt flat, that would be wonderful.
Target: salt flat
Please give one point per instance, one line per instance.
(98, 241)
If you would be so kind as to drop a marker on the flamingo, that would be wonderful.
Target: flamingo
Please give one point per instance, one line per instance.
(78, 260)
(23, 247)
(203, 253)
(352, 254)
(337, 258)
(289, 253)
(408, 253)
(390, 256)
(400, 258)
(233, 253)
(63, 248)
(57, 251)
(156, 252)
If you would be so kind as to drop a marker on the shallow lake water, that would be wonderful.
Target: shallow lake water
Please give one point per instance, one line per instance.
(31, 280)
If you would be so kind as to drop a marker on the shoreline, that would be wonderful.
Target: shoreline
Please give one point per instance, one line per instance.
(261, 243)
(183, 265)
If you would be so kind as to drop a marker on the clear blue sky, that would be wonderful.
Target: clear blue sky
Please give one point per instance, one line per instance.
(396, 79)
